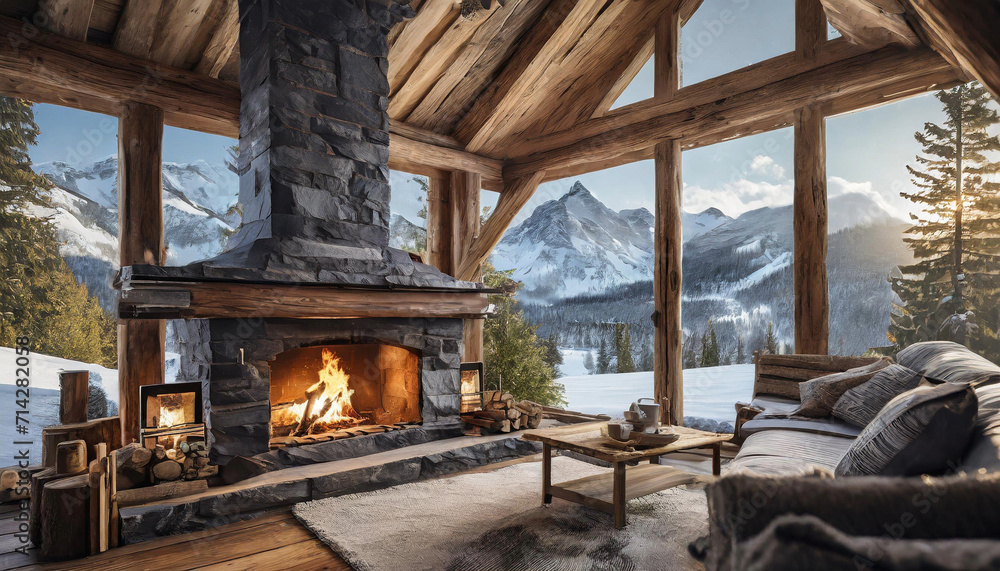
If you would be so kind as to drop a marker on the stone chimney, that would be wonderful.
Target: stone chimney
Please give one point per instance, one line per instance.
(314, 148)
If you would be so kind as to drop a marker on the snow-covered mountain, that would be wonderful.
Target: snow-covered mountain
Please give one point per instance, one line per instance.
(406, 235)
(197, 202)
(576, 245)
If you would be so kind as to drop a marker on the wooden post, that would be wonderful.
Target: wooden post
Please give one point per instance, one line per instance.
(812, 304)
(668, 338)
(466, 189)
(439, 224)
(141, 351)
(74, 387)
(667, 274)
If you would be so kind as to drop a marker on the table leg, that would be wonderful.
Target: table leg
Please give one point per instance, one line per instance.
(654, 460)
(717, 459)
(619, 495)
(546, 473)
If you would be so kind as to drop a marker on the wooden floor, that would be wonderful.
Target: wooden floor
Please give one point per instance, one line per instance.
(274, 541)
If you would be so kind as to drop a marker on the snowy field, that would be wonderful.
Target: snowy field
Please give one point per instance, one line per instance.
(43, 404)
(708, 393)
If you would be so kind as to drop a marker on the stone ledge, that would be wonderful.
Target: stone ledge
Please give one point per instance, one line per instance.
(251, 498)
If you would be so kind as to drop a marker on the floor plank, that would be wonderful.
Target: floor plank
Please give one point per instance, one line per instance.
(306, 556)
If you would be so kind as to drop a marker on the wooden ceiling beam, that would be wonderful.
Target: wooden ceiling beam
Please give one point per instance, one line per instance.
(440, 57)
(492, 43)
(422, 152)
(966, 31)
(223, 43)
(70, 18)
(751, 77)
(47, 68)
(871, 23)
(559, 29)
(846, 82)
(137, 27)
(418, 35)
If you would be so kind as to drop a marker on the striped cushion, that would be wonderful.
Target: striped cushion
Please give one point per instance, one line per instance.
(819, 395)
(922, 431)
(949, 362)
(861, 404)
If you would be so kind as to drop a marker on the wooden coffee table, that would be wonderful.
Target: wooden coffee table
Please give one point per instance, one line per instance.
(609, 492)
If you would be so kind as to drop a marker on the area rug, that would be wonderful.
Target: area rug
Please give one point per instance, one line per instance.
(495, 521)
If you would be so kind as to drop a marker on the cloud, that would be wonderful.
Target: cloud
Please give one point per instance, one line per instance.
(766, 166)
(737, 197)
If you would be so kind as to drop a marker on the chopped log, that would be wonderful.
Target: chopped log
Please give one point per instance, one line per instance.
(494, 425)
(535, 420)
(74, 388)
(505, 426)
(38, 481)
(133, 461)
(71, 457)
(490, 414)
(312, 394)
(9, 478)
(164, 491)
(98, 477)
(65, 516)
(167, 470)
(160, 452)
(92, 432)
(15, 494)
(513, 414)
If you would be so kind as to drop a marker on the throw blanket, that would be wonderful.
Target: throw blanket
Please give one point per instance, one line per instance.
(807, 543)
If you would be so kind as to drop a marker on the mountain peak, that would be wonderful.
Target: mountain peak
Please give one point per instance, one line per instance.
(578, 190)
(713, 212)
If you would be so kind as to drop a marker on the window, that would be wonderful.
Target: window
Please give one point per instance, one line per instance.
(726, 35)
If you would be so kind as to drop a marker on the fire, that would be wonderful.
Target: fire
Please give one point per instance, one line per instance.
(328, 400)
(170, 416)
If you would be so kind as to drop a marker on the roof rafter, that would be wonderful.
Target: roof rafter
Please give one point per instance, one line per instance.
(846, 83)
(871, 23)
(561, 26)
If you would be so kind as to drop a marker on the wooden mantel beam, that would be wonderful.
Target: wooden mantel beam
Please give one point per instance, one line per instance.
(846, 84)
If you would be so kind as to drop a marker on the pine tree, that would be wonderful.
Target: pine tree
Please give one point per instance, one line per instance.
(588, 362)
(710, 356)
(647, 359)
(690, 357)
(553, 356)
(770, 340)
(39, 296)
(951, 292)
(741, 356)
(623, 349)
(603, 359)
(513, 350)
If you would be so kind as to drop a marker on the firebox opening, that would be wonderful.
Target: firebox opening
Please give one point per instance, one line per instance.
(330, 388)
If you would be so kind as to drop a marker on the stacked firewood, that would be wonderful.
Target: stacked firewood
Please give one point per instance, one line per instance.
(502, 413)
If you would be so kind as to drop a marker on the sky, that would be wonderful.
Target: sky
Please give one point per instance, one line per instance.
(867, 151)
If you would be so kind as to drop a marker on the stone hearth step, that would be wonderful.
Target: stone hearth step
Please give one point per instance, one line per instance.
(251, 498)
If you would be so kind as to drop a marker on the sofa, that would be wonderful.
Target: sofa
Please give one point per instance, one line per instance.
(779, 505)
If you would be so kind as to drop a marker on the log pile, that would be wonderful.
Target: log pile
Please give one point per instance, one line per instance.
(502, 413)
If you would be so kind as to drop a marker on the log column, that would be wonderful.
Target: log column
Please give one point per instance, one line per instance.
(812, 303)
(466, 189)
(453, 206)
(668, 338)
(140, 234)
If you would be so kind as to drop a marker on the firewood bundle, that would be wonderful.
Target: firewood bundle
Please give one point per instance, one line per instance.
(502, 413)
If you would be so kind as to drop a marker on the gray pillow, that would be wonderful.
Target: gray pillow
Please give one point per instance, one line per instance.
(861, 404)
(922, 431)
(819, 395)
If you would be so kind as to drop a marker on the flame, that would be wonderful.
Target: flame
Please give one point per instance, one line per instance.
(335, 399)
(170, 416)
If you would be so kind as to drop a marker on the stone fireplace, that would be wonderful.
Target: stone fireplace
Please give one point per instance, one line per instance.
(397, 371)
(377, 342)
